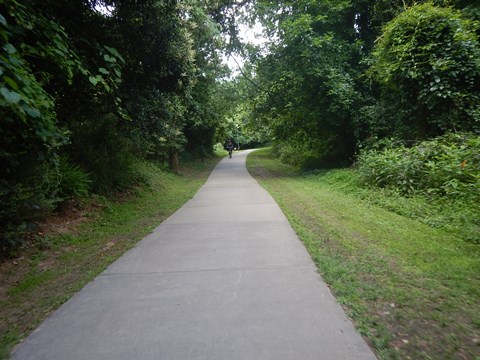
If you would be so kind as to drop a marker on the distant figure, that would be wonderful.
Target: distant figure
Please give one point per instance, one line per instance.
(229, 148)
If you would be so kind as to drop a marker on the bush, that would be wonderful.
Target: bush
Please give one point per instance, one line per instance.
(314, 154)
(445, 166)
(105, 151)
(444, 171)
(290, 154)
(72, 181)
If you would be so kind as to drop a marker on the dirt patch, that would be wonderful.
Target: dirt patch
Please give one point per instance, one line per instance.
(68, 217)
(262, 173)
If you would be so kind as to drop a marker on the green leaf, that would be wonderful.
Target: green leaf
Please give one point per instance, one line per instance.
(115, 53)
(93, 80)
(42, 133)
(103, 71)
(11, 82)
(33, 112)
(9, 48)
(3, 21)
(11, 96)
(4, 35)
(110, 59)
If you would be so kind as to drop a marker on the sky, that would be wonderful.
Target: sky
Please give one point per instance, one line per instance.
(251, 35)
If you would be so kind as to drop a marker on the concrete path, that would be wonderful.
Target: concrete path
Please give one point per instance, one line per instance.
(225, 277)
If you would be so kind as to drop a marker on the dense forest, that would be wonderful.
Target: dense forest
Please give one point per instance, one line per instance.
(90, 89)
(338, 75)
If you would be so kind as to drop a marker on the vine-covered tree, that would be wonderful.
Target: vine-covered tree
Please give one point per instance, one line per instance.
(428, 62)
(340, 74)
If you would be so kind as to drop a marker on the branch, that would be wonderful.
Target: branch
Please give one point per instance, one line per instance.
(246, 77)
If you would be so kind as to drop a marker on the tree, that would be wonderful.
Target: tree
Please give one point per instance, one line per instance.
(29, 130)
(428, 63)
(91, 93)
(307, 79)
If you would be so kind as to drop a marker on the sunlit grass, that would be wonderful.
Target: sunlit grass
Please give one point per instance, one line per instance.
(411, 289)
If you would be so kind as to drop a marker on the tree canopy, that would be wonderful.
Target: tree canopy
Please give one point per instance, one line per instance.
(89, 88)
(340, 74)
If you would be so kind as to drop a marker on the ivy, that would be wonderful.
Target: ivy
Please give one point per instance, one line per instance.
(431, 55)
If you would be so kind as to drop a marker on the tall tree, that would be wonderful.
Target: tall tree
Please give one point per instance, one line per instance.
(314, 85)
(428, 60)
(308, 76)
(90, 87)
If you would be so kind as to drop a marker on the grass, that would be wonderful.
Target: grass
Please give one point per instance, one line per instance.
(49, 271)
(412, 290)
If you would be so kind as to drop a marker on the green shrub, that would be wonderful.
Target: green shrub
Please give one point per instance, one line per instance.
(22, 203)
(291, 154)
(445, 166)
(72, 180)
(444, 171)
(311, 154)
(105, 151)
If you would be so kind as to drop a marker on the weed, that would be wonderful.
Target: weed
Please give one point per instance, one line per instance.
(444, 171)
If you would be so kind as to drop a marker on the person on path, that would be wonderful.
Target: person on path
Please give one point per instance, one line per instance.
(229, 148)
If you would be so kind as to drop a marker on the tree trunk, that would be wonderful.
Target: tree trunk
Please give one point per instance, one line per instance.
(173, 161)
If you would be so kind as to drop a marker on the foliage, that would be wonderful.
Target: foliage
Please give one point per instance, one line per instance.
(445, 171)
(27, 111)
(429, 59)
(338, 75)
(28, 129)
(105, 89)
(307, 92)
(446, 166)
(72, 181)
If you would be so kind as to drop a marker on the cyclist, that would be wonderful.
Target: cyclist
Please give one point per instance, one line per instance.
(229, 148)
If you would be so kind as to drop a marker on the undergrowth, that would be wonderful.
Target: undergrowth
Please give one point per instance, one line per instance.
(436, 181)
(45, 272)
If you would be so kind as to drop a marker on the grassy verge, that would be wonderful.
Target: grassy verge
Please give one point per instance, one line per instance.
(49, 272)
(412, 290)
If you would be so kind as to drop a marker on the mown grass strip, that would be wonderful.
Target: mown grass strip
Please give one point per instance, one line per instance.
(411, 289)
(46, 275)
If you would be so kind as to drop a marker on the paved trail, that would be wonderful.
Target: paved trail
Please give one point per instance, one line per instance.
(225, 277)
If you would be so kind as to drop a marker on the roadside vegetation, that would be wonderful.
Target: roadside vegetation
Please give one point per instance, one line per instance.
(98, 97)
(78, 243)
(436, 181)
(90, 89)
(411, 287)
